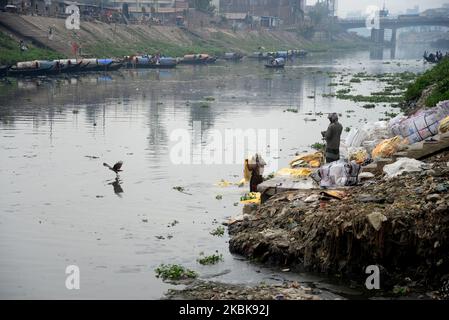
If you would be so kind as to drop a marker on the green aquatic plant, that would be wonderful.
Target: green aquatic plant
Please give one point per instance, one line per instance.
(219, 231)
(318, 146)
(212, 259)
(174, 272)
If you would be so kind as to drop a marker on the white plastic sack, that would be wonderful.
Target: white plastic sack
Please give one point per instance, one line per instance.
(395, 125)
(424, 124)
(403, 165)
(355, 137)
(369, 132)
(343, 150)
(377, 131)
(339, 174)
(420, 126)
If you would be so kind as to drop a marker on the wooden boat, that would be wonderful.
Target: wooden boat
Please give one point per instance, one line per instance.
(282, 54)
(275, 66)
(34, 68)
(68, 65)
(3, 71)
(146, 62)
(278, 63)
(233, 56)
(115, 65)
(301, 53)
(262, 55)
(100, 65)
(197, 59)
(431, 58)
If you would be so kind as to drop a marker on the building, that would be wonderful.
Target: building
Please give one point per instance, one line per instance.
(355, 14)
(165, 11)
(288, 12)
(414, 10)
(144, 5)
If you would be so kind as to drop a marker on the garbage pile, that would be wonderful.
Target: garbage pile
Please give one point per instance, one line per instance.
(384, 138)
(201, 290)
(302, 165)
(400, 224)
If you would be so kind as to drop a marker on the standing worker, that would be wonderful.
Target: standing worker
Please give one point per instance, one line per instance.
(332, 136)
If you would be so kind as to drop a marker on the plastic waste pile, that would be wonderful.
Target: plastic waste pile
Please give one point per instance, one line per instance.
(341, 173)
(310, 160)
(360, 155)
(382, 139)
(303, 165)
(403, 165)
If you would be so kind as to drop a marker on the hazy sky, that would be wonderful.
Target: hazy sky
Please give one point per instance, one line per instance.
(345, 6)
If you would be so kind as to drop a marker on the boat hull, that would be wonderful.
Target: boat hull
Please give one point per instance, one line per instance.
(151, 66)
(31, 72)
(269, 66)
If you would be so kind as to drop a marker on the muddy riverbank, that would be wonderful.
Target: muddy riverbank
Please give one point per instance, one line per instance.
(399, 224)
(202, 290)
(101, 39)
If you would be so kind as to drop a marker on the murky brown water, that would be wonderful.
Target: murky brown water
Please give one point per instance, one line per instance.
(60, 206)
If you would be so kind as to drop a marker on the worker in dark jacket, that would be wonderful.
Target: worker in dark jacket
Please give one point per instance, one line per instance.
(332, 136)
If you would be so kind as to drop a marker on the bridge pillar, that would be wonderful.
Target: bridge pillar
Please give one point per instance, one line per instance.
(394, 33)
(378, 36)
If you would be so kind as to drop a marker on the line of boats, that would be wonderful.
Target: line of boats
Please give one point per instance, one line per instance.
(47, 67)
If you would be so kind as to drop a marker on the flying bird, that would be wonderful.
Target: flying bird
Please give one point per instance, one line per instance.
(116, 168)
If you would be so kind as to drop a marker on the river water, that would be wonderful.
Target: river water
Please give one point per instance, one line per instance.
(59, 206)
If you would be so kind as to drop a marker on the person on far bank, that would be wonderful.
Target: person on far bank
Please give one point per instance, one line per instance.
(332, 136)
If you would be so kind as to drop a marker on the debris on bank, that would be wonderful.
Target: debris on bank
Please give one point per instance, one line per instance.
(201, 290)
(400, 224)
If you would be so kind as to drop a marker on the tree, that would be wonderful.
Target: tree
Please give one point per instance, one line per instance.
(319, 13)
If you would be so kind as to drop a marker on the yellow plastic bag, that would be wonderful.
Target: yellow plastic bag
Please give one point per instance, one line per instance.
(302, 172)
(444, 125)
(387, 147)
(313, 160)
(359, 156)
(251, 197)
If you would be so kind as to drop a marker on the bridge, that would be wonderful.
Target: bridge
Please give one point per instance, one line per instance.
(378, 35)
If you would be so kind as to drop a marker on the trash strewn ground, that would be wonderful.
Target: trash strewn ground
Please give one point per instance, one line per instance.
(399, 224)
(201, 290)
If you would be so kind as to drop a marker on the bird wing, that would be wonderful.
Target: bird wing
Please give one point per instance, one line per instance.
(117, 166)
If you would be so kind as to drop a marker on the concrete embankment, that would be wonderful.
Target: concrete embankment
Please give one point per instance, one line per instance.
(102, 39)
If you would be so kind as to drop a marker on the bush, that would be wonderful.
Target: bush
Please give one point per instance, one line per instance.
(438, 76)
(10, 53)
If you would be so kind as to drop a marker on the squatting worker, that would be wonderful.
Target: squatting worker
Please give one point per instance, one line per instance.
(256, 167)
(332, 136)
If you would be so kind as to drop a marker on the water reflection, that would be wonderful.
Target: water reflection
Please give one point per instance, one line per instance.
(47, 126)
(116, 184)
